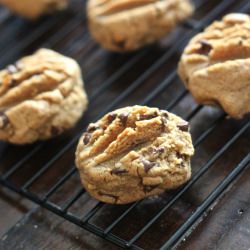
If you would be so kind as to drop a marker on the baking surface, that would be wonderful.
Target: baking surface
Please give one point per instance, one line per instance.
(112, 80)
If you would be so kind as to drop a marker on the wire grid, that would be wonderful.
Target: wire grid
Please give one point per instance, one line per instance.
(70, 26)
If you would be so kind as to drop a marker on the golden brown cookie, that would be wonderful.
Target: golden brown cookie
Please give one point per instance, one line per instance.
(127, 25)
(41, 96)
(215, 65)
(34, 8)
(134, 152)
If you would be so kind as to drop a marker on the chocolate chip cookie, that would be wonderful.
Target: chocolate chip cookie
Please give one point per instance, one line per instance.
(215, 65)
(134, 152)
(34, 8)
(41, 96)
(127, 25)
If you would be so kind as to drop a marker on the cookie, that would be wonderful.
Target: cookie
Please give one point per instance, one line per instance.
(134, 152)
(41, 96)
(215, 65)
(33, 9)
(127, 25)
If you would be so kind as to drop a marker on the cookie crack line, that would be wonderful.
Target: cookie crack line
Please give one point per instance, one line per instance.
(35, 96)
(114, 7)
(134, 152)
(120, 127)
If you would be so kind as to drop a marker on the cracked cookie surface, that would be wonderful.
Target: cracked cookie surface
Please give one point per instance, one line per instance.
(127, 25)
(41, 96)
(33, 9)
(215, 65)
(134, 152)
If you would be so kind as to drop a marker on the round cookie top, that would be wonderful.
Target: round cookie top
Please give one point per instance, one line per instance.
(215, 65)
(134, 152)
(37, 97)
(127, 25)
(33, 9)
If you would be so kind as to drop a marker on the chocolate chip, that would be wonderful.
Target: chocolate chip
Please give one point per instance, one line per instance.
(86, 138)
(153, 150)
(148, 189)
(4, 120)
(148, 165)
(178, 155)
(92, 127)
(163, 123)
(164, 113)
(111, 117)
(148, 117)
(12, 69)
(123, 118)
(55, 131)
(160, 150)
(12, 83)
(183, 126)
(183, 158)
(205, 48)
(121, 44)
(118, 171)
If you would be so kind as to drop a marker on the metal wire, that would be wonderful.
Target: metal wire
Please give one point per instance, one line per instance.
(207, 203)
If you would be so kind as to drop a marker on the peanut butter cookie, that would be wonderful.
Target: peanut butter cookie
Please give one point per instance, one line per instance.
(134, 152)
(41, 96)
(127, 25)
(215, 65)
(34, 8)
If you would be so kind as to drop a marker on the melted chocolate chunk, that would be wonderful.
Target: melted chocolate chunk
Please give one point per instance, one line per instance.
(86, 138)
(118, 171)
(148, 189)
(123, 118)
(12, 69)
(92, 127)
(205, 48)
(111, 117)
(55, 131)
(183, 126)
(4, 120)
(148, 165)
(148, 117)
